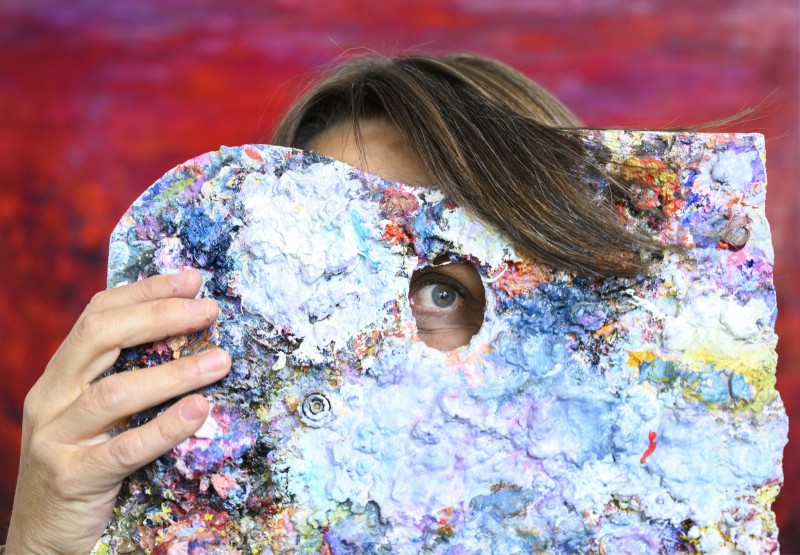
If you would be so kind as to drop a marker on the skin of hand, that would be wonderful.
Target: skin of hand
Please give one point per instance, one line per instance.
(71, 468)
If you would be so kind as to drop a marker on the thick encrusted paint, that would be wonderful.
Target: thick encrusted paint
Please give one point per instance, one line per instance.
(612, 416)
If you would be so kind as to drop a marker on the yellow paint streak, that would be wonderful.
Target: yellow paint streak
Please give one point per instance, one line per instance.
(756, 364)
(637, 358)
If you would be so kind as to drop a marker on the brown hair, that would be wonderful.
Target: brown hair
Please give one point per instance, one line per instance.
(492, 141)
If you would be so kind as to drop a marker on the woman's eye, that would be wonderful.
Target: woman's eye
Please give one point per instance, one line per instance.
(433, 296)
(447, 303)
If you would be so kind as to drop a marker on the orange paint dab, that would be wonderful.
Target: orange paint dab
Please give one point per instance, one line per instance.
(397, 235)
(636, 358)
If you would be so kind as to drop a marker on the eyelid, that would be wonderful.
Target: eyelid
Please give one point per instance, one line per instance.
(435, 278)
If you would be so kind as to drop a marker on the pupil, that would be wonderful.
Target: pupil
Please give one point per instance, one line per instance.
(443, 296)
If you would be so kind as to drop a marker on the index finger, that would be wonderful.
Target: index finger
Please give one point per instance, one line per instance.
(184, 284)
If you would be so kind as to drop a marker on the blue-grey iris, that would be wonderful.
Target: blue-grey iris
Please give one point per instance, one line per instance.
(443, 295)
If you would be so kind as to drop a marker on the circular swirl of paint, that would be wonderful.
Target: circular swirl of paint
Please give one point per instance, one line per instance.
(315, 410)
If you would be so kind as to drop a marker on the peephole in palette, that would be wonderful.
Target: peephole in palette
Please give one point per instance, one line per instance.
(448, 301)
(574, 414)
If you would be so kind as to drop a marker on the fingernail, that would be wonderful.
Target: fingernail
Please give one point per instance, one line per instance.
(212, 361)
(199, 307)
(191, 411)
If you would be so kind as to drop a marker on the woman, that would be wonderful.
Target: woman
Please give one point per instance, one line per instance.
(489, 138)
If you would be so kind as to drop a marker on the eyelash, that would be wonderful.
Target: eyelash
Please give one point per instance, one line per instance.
(438, 279)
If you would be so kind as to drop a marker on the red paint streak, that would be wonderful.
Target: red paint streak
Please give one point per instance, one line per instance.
(253, 153)
(650, 448)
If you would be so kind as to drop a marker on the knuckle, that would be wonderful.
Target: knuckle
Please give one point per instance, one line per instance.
(52, 464)
(170, 429)
(126, 451)
(175, 374)
(97, 299)
(89, 327)
(31, 406)
(106, 395)
(40, 454)
(37, 448)
(152, 288)
(162, 312)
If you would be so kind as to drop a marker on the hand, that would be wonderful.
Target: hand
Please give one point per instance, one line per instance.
(71, 468)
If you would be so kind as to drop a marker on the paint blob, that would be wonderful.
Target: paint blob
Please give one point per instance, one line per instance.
(339, 431)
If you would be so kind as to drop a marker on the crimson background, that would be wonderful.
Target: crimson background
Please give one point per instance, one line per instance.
(98, 98)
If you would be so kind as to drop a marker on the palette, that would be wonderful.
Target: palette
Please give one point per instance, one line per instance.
(595, 415)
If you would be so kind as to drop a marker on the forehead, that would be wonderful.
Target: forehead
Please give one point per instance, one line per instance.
(384, 151)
